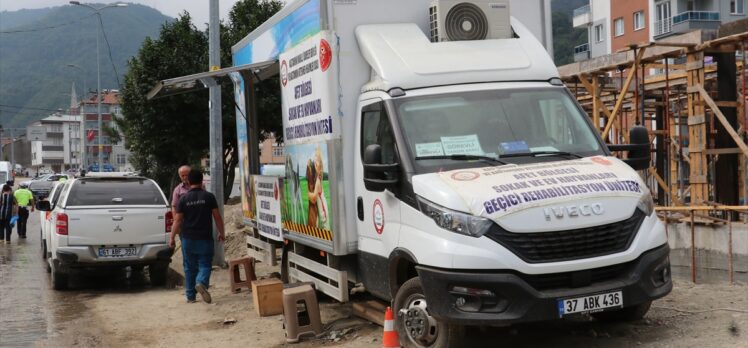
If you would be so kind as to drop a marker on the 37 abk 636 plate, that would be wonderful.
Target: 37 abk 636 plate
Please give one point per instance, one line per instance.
(117, 252)
(591, 303)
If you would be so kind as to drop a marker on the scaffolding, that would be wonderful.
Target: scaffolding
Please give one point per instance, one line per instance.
(690, 93)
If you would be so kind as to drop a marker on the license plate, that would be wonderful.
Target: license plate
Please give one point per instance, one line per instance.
(592, 303)
(116, 252)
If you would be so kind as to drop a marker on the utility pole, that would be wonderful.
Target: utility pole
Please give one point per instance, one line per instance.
(216, 127)
(12, 152)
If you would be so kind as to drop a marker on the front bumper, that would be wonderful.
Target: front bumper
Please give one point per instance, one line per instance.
(85, 256)
(530, 298)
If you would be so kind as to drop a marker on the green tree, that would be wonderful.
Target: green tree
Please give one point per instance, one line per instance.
(244, 17)
(167, 132)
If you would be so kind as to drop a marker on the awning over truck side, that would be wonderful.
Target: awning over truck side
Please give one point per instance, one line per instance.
(190, 83)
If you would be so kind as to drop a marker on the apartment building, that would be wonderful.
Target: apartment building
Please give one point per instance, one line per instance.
(672, 17)
(595, 18)
(114, 153)
(630, 23)
(62, 148)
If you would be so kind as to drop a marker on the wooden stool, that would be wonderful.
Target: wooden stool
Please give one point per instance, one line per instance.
(298, 320)
(235, 275)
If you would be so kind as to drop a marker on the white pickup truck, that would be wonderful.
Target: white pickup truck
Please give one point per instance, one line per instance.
(114, 221)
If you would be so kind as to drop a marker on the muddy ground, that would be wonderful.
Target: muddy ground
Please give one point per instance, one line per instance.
(703, 315)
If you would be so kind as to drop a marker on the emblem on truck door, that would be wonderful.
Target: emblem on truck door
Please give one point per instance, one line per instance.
(559, 212)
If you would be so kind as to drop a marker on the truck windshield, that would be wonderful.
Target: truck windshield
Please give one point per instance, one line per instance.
(450, 131)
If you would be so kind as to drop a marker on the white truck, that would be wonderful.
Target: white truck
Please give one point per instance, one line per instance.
(435, 160)
(106, 222)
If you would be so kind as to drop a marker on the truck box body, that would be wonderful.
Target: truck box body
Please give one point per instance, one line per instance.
(336, 21)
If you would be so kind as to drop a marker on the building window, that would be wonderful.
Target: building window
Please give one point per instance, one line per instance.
(639, 20)
(736, 6)
(619, 26)
(599, 33)
(121, 158)
(277, 151)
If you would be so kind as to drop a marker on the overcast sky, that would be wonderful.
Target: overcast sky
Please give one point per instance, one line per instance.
(198, 9)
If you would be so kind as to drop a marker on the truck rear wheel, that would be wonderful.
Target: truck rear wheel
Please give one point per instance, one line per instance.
(59, 279)
(625, 314)
(415, 325)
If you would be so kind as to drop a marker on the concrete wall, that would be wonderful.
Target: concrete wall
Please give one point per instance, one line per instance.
(724, 11)
(711, 252)
(599, 48)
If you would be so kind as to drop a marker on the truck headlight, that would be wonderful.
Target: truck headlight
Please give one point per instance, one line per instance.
(646, 204)
(455, 221)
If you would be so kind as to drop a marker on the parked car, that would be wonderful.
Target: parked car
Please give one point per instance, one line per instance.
(45, 223)
(104, 222)
(41, 188)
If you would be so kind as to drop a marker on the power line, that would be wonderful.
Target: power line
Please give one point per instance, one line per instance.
(109, 50)
(44, 28)
(25, 108)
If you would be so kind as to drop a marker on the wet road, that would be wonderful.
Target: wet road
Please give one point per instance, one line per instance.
(30, 311)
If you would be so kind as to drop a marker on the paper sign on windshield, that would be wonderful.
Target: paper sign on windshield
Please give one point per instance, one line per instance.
(462, 145)
(429, 149)
(493, 192)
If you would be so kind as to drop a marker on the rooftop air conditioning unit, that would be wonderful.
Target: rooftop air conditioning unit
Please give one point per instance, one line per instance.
(455, 20)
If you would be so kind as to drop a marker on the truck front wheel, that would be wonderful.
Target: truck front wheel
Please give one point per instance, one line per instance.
(415, 325)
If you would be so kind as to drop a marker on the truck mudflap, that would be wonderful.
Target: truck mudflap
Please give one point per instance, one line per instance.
(503, 297)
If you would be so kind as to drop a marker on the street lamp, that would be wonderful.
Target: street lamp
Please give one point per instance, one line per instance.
(97, 11)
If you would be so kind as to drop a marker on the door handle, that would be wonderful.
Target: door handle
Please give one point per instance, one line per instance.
(117, 218)
(360, 208)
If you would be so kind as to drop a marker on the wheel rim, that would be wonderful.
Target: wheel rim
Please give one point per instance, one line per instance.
(421, 328)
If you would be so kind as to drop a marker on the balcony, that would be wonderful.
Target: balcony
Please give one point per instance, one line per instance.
(582, 52)
(685, 22)
(582, 16)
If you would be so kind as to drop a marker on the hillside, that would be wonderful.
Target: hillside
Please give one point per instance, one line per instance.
(35, 52)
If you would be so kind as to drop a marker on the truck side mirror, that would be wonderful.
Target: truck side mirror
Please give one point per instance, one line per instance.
(639, 155)
(43, 206)
(377, 176)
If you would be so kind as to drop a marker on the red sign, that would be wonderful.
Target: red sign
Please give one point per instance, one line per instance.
(90, 135)
(378, 216)
(325, 54)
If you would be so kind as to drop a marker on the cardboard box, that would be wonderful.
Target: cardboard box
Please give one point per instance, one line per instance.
(267, 295)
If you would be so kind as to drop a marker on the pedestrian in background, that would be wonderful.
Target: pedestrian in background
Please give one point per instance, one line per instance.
(7, 211)
(25, 199)
(181, 189)
(193, 222)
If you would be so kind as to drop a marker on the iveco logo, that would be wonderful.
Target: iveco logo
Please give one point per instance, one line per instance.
(573, 211)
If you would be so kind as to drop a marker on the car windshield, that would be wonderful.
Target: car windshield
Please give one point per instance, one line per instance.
(446, 131)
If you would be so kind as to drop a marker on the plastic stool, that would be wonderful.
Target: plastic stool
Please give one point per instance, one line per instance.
(235, 276)
(300, 312)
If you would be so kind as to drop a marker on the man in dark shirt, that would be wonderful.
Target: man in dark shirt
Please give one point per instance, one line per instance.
(193, 224)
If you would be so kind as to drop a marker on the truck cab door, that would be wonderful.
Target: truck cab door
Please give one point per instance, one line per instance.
(378, 213)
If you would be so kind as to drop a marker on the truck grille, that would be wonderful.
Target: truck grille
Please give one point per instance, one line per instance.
(577, 279)
(570, 244)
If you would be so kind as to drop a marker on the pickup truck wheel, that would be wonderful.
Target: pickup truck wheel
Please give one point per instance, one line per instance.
(43, 245)
(415, 325)
(625, 314)
(59, 279)
(158, 273)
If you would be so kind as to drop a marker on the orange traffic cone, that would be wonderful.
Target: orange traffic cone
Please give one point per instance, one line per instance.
(390, 338)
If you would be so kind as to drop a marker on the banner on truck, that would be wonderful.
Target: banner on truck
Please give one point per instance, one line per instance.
(306, 83)
(493, 192)
(246, 185)
(306, 205)
(268, 195)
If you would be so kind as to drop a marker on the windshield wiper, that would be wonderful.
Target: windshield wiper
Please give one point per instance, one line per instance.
(462, 158)
(542, 153)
